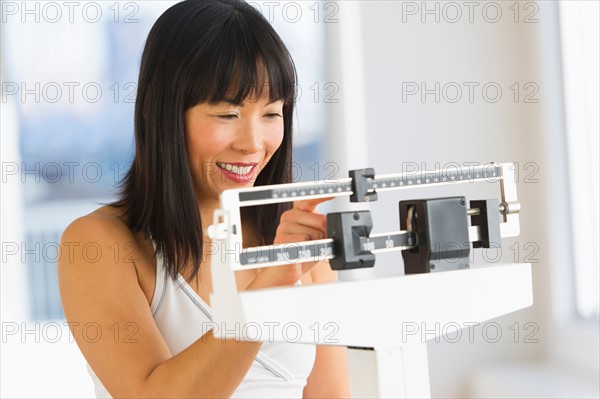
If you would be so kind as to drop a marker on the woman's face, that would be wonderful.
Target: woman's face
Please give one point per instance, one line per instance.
(228, 145)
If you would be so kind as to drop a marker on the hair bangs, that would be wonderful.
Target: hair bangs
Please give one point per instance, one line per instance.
(245, 61)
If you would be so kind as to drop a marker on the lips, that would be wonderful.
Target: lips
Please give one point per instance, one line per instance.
(238, 172)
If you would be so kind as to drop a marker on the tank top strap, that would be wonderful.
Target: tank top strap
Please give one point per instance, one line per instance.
(160, 284)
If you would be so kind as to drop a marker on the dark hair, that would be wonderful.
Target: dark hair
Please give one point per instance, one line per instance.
(195, 53)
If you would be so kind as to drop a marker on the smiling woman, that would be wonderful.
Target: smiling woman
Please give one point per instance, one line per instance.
(213, 111)
(238, 139)
(211, 63)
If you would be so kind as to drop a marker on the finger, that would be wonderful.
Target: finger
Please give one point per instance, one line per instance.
(311, 219)
(311, 204)
(298, 233)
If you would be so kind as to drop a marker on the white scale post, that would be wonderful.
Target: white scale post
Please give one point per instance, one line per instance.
(380, 320)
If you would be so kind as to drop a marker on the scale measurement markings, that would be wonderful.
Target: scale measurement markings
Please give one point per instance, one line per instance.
(307, 251)
(382, 183)
(394, 241)
(301, 190)
(449, 175)
(319, 250)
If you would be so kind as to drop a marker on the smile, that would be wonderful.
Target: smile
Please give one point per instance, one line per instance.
(238, 169)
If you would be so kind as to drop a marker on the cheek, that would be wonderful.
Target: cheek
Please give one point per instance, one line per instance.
(203, 143)
(274, 138)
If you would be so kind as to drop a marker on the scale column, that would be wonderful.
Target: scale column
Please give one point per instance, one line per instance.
(398, 372)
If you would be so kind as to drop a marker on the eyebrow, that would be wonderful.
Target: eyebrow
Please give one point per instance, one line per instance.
(231, 102)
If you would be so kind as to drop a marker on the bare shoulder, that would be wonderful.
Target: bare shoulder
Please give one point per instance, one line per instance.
(103, 232)
(99, 248)
(102, 223)
(89, 249)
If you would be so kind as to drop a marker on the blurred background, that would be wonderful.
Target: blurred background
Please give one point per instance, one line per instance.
(393, 85)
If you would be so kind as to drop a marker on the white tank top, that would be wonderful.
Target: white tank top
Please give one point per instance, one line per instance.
(279, 370)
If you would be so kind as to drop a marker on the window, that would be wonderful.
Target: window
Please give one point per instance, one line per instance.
(72, 76)
(580, 45)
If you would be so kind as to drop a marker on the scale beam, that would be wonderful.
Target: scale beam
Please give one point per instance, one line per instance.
(319, 250)
(436, 234)
(363, 185)
(492, 172)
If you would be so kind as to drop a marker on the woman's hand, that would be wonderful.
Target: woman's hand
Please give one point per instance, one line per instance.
(301, 223)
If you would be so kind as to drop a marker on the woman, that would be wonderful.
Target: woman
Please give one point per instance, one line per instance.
(213, 111)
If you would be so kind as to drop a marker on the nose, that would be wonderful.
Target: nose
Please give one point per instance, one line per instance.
(249, 139)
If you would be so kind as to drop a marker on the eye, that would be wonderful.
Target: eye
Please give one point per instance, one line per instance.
(227, 116)
(273, 115)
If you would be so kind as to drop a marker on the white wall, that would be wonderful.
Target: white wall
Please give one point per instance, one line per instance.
(397, 49)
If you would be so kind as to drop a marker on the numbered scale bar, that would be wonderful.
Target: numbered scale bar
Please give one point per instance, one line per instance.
(384, 242)
(319, 250)
(257, 196)
(293, 191)
(489, 172)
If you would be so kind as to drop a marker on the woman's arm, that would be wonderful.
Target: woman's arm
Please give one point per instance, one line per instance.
(113, 326)
(329, 376)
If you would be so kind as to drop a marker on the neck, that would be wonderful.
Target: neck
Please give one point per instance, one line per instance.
(206, 214)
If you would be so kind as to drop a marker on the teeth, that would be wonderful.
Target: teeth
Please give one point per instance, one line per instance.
(238, 170)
